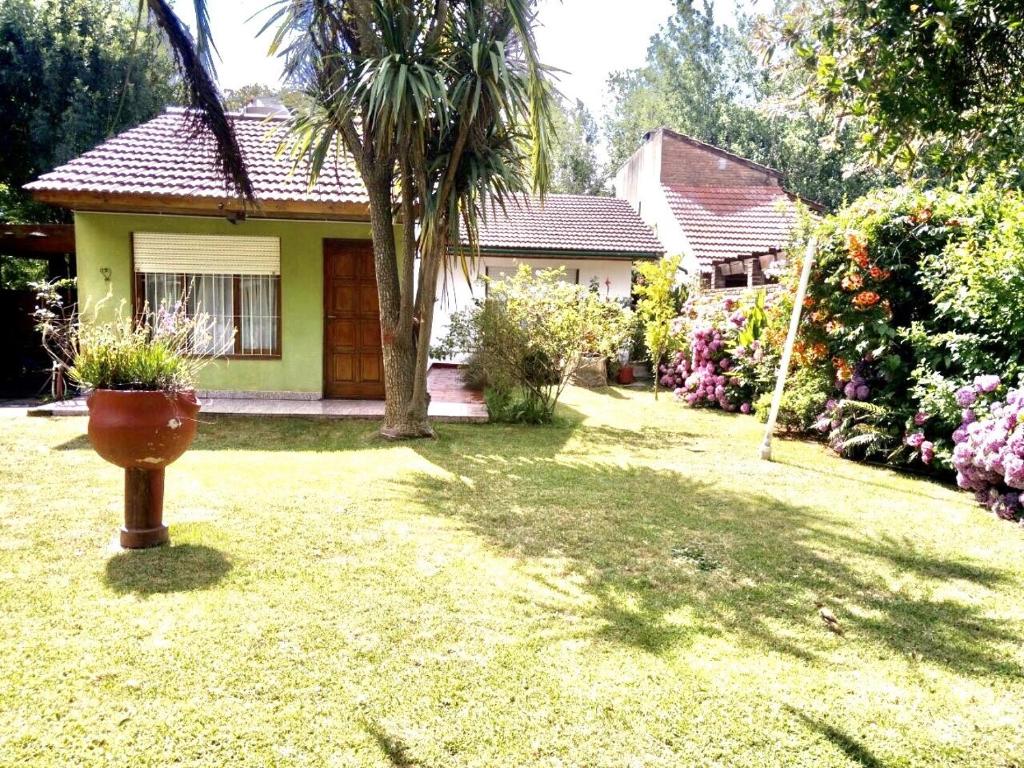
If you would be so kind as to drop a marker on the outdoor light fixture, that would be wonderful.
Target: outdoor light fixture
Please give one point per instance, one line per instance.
(105, 271)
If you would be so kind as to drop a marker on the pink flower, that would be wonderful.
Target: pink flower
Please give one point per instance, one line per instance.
(915, 439)
(987, 384)
(920, 418)
(966, 396)
(745, 408)
(927, 452)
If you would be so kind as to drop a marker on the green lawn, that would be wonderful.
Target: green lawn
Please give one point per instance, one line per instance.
(630, 588)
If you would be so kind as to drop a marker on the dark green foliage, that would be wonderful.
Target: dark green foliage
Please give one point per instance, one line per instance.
(914, 295)
(935, 87)
(64, 67)
(803, 400)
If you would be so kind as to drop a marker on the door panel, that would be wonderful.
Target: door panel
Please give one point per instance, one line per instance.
(353, 367)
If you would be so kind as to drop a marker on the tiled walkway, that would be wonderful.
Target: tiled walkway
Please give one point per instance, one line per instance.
(450, 401)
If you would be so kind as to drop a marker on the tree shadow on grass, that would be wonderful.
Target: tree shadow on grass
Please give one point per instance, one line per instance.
(163, 570)
(395, 749)
(664, 558)
(853, 749)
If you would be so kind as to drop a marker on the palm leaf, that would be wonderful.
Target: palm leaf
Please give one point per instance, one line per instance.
(208, 111)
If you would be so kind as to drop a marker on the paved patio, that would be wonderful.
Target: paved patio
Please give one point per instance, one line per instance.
(451, 401)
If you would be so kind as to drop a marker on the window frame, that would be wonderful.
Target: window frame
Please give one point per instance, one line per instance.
(138, 290)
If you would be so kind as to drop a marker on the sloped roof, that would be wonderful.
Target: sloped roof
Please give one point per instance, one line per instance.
(162, 158)
(563, 224)
(724, 223)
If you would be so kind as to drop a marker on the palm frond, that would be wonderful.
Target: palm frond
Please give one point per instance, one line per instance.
(207, 106)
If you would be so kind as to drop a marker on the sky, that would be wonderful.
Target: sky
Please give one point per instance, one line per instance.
(589, 39)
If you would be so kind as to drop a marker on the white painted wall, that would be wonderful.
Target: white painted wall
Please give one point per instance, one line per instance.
(614, 276)
(638, 182)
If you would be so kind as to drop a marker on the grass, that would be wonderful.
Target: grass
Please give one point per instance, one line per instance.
(629, 588)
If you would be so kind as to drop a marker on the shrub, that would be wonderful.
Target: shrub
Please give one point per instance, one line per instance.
(914, 296)
(722, 362)
(528, 338)
(658, 300)
(989, 452)
(803, 400)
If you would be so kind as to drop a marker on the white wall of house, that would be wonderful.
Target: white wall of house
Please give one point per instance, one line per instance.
(638, 182)
(613, 275)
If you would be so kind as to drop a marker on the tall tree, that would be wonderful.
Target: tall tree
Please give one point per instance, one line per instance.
(931, 87)
(575, 167)
(439, 102)
(706, 80)
(72, 72)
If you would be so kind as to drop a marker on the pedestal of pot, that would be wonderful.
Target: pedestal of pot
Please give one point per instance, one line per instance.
(144, 509)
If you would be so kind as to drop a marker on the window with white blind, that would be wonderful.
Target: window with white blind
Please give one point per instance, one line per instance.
(234, 280)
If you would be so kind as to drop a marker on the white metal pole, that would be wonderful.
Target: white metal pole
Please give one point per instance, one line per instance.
(787, 351)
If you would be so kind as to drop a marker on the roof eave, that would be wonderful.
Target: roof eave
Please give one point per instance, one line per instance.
(565, 253)
(231, 207)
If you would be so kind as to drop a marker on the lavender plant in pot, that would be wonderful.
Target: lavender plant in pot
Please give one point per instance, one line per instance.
(139, 376)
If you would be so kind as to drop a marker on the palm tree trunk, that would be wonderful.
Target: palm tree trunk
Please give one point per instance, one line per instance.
(426, 296)
(398, 352)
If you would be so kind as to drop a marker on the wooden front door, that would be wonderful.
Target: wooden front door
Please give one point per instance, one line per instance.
(353, 366)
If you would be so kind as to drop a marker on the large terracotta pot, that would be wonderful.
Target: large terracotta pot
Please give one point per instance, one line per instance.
(142, 432)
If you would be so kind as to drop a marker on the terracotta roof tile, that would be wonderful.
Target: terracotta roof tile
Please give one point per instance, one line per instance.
(568, 223)
(162, 157)
(728, 222)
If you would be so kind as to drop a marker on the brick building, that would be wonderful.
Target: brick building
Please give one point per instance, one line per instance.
(728, 217)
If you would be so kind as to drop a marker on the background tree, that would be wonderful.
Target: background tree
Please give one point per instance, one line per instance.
(72, 72)
(441, 100)
(931, 88)
(236, 98)
(706, 80)
(575, 168)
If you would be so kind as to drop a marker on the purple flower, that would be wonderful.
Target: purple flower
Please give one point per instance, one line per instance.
(915, 439)
(745, 408)
(927, 452)
(850, 390)
(863, 391)
(969, 416)
(987, 384)
(966, 396)
(920, 418)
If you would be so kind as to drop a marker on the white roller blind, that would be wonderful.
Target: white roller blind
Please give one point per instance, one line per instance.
(206, 254)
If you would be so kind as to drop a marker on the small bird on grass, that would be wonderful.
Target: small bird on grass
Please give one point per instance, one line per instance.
(831, 622)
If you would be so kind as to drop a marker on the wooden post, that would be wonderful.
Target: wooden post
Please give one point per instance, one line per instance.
(787, 351)
(143, 509)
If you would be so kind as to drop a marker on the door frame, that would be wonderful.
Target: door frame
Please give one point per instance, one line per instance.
(325, 278)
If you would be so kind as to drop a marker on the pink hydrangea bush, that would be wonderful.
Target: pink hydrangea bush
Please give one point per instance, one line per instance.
(710, 371)
(988, 452)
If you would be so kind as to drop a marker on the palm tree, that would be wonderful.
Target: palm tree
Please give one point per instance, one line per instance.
(440, 100)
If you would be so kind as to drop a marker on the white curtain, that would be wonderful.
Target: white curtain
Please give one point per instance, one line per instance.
(162, 291)
(259, 314)
(213, 296)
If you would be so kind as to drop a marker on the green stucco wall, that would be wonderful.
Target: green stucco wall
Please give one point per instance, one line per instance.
(103, 241)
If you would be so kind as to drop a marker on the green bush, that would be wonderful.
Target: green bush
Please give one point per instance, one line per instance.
(803, 401)
(914, 295)
(528, 338)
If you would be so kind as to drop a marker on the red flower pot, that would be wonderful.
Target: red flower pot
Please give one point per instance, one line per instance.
(626, 374)
(142, 432)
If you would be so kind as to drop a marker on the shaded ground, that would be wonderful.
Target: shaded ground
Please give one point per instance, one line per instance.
(629, 588)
